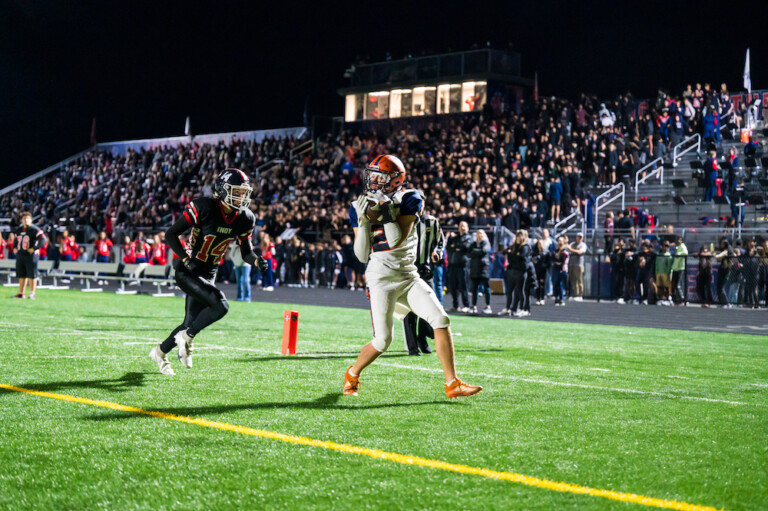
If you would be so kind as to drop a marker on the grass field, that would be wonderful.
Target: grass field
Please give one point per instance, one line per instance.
(664, 414)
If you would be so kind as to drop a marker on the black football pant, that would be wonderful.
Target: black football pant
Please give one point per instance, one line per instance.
(457, 285)
(205, 305)
(416, 331)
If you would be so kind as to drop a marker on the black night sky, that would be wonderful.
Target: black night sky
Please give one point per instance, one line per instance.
(141, 67)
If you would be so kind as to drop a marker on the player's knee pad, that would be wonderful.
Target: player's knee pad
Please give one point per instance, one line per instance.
(381, 343)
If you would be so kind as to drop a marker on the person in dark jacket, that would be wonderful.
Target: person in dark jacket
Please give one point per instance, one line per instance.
(560, 270)
(480, 270)
(704, 277)
(542, 261)
(518, 256)
(710, 176)
(458, 257)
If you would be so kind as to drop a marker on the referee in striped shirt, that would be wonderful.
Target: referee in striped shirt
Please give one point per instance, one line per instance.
(429, 263)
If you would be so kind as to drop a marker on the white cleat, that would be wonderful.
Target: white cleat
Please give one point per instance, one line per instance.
(162, 361)
(184, 342)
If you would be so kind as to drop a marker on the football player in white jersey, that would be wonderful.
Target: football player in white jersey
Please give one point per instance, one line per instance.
(383, 219)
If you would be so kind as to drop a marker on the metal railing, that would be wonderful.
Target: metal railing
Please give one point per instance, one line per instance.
(607, 197)
(677, 152)
(575, 215)
(659, 171)
(301, 149)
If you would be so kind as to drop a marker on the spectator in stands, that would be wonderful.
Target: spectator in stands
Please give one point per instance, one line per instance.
(129, 254)
(663, 274)
(616, 260)
(704, 277)
(577, 250)
(457, 247)
(67, 247)
(762, 253)
(518, 256)
(712, 125)
(645, 271)
(268, 253)
(726, 257)
(560, 270)
(141, 251)
(625, 228)
(679, 262)
(542, 261)
(480, 270)
(750, 267)
(102, 246)
(2, 246)
(608, 227)
(555, 198)
(242, 274)
(710, 176)
(158, 251)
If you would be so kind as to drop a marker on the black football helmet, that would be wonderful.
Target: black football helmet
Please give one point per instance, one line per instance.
(233, 188)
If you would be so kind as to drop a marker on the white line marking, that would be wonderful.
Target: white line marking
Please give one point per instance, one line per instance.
(577, 385)
(678, 377)
(599, 369)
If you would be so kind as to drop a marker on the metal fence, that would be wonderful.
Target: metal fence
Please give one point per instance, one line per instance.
(731, 280)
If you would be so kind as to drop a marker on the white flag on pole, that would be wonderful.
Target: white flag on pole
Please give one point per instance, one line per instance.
(187, 128)
(747, 78)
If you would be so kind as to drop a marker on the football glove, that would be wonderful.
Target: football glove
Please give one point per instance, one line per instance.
(386, 211)
(361, 208)
(189, 265)
(262, 263)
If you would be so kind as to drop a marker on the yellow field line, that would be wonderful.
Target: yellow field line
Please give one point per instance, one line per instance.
(389, 456)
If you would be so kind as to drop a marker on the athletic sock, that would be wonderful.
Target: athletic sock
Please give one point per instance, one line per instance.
(167, 345)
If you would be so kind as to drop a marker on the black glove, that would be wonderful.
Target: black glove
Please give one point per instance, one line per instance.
(262, 264)
(425, 271)
(189, 265)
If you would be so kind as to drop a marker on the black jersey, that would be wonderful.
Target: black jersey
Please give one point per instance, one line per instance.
(29, 237)
(213, 231)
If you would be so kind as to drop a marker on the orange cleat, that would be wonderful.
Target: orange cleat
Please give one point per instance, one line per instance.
(458, 389)
(350, 383)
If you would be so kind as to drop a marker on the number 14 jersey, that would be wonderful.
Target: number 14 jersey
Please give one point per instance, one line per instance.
(213, 231)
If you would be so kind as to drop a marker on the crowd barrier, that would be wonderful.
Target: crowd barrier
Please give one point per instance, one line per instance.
(91, 273)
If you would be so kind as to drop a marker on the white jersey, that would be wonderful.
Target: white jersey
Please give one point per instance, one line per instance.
(385, 260)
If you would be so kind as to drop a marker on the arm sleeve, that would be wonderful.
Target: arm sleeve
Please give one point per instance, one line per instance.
(393, 233)
(40, 240)
(246, 251)
(362, 246)
(173, 233)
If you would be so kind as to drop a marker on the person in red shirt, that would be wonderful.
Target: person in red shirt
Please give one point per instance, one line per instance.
(66, 247)
(9, 243)
(2, 247)
(141, 251)
(129, 255)
(43, 251)
(159, 251)
(103, 245)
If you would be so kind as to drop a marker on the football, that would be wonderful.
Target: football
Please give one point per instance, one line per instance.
(373, 212)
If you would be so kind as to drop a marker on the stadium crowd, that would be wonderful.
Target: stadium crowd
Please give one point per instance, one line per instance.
(523, 167)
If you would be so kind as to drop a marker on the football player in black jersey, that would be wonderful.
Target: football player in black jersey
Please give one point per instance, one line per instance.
(29, 239)
(215, 222)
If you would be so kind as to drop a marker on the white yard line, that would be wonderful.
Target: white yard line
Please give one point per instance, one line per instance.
(564, 384)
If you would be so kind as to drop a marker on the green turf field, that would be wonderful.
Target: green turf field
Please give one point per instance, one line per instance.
(659, 413)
